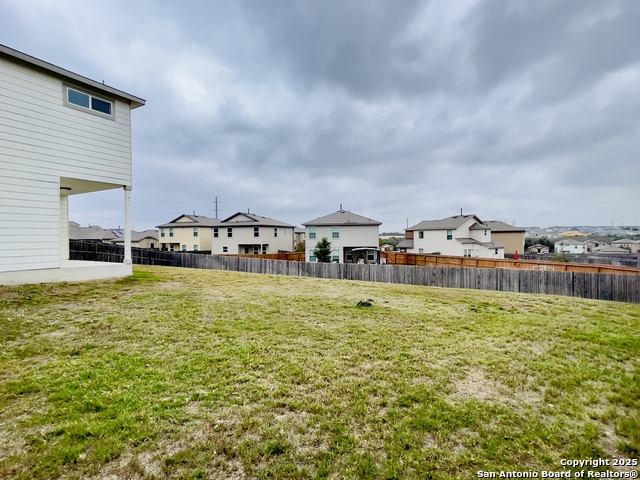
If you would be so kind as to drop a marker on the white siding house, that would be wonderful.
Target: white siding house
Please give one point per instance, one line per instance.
(460, 235)
(61, 134)
(353, 237)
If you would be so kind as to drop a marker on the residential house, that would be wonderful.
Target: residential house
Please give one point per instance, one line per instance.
(572, 245)
(460, 235)
(144, 239)
(538, 249)
(632, 246)
(248, 233)
(353, 238)
(61, 134)
(187, 233)
(510, 236)
(92, 233)
(611, 250)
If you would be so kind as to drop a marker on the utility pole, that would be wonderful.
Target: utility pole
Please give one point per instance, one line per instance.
(215, 203)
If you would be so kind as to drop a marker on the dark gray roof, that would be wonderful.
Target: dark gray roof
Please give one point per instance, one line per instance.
(91, 233)
(138, 236)
(195, 221)
(342, 217)
(473, 241)
(501, 227)
(405, 243)
(36, 63)
(449, 223)
(254, 221)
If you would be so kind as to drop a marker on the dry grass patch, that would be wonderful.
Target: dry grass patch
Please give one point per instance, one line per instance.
(178, 373)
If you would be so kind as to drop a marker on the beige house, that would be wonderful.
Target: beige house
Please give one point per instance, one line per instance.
(251, 234)
(61, 135)
(187, 233)
(538, 249)
(511, 237)
(144, 239)
(632, 246)
(353, 238)
(460, 235)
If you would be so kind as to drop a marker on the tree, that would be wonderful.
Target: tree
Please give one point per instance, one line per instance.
(323, 250)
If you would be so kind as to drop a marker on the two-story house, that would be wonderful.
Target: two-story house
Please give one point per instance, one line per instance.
(187, 233)
(353, 238)
(61, 134)
(248, 233)
(460, 235)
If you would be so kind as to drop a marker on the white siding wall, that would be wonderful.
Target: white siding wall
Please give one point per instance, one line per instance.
(42, 140)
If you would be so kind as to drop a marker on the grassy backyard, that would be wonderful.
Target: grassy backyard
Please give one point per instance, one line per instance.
(178, 373)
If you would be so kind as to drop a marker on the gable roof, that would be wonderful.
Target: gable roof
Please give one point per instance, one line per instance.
(253, 220)
(138, 236)
(195, 221)
(449, 223)
(342, 217)
(497, 226)
(54, 70)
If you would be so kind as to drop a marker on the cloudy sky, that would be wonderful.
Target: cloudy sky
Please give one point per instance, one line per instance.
(521, 111)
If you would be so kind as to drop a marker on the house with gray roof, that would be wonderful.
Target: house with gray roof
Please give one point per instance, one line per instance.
(187, 233)
(354, 238)
(248, 233)
(459, 235)
(510, 236)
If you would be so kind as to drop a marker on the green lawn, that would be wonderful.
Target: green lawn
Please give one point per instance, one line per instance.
(178, 373)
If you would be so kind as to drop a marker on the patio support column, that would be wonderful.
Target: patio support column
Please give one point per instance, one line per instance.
(127, 225)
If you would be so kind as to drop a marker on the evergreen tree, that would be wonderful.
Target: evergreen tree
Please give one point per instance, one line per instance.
(323, 251)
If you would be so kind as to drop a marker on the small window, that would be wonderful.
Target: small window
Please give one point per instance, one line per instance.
(195, 231)
(275, 231)
(171, 247)
(421, 250)
(84, 100)
(229, 232)
(312, 256)
(153, 245)
(335, 255)
(256, 231)
(215, 232)
(256, 249)
(335, 232)
(312, 232)
(184, 248)
(225, 249)
(420, 234)
(449, 234)
(195, 248)
(485, 232)
(171, 232)
(162, 232)
(264, 249)
(371, 255)
(246, 250)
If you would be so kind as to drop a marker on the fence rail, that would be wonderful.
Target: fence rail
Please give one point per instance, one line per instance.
(599, 286)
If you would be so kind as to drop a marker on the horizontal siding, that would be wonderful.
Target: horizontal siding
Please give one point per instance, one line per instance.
(58, 139)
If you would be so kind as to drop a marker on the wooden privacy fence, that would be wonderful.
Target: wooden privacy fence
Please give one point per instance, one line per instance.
(426, 260)
(599, 286)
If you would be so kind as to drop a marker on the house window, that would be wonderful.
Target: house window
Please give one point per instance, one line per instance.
(162, 232)
(215, 232)
(449, 234)
(467, 252)
(184, 248)
(256, 249)
(348, 255)
(171, 232)
(153, 245)
(225, 249)
(496, 251)
(485, 232)
(335, 232)
(195, 248)
(335, 255)
(275, 231)
(246, 250)
(76, 98)
(420, 234)
(229, 232)
(312, 232)
(371, 256)
(171, 247)
(256, 231)
(421, 250)
(264, 249)
(312, 256)
(195, 231)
